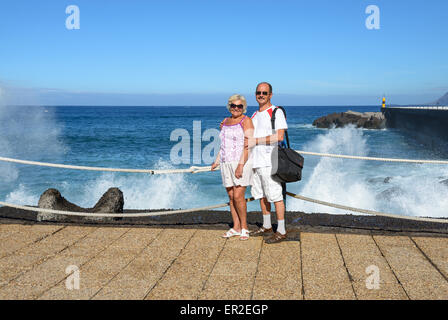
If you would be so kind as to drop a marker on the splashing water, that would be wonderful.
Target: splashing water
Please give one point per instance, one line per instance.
(26, 133)
(405, 189)
(335, 180)
(143, 191)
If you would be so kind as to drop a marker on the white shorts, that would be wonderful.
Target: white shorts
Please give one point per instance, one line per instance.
(263, 186)
(228, 174)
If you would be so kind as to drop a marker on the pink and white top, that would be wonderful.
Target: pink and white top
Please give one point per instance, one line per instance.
(232, 141)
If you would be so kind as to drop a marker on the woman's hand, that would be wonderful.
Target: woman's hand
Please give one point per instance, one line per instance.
(215, 165)
(239, 171)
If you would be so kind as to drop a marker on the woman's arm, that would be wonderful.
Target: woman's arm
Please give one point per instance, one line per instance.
(248, 128)
(216, 163)
(218, 157)
(222, 123)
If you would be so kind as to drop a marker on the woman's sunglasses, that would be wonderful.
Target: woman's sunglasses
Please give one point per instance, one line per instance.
(239, 106)
(265, 93)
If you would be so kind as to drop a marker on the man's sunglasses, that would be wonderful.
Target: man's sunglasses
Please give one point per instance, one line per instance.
(265, 93)
(239, 106)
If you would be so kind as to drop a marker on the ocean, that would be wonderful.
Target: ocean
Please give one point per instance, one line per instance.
(149, 138)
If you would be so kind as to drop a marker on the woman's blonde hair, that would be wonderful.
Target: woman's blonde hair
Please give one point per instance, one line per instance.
(237, 97)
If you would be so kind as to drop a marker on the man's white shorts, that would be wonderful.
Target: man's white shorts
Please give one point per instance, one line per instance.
(263, 186)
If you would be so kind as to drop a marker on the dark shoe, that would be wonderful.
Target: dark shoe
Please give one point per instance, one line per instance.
(277, 237)
(261, 232)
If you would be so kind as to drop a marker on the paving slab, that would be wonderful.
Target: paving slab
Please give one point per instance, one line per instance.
(147, 268)
(324, 273)
(189, 273)
(418, 277)
(385, 291)
(27, 257)
(228, 287)
(361, 253)
(437, 251)
(100, 270)
(49, 273)
(10, 230)
(25, 237)
(172, 262)
(233, 274)
(279, 273)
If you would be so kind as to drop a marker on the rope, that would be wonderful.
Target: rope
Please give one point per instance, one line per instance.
(160, 213)
(196, 169)
(124, 215)
(376, 213)
(371, 158)
(192, 169)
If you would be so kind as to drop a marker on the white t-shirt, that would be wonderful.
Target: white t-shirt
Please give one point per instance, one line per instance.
(261, 154)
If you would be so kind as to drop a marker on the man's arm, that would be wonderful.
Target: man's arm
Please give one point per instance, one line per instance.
(278, 136)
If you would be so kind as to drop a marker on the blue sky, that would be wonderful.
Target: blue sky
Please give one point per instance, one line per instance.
(194, 52)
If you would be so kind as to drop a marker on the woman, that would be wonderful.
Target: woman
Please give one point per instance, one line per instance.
(236, 171)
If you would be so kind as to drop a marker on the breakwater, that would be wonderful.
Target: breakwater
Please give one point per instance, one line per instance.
(429, 124)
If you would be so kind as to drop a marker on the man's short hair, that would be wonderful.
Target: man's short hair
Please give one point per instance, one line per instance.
(270, 87)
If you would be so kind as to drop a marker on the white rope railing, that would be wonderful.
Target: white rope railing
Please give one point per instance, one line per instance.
(116, 215)
(371, 212)
(371, 158)
(161, 213)
(192, 169)
(197, 169)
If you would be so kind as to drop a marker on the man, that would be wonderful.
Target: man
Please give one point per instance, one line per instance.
(263, 142)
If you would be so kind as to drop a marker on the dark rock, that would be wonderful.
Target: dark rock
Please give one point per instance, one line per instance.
(111, 202)
(390, 193)
(444, 182)
(379, 180)
(368, 120)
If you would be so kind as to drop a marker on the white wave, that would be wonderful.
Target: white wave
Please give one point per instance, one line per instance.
(22, 196)
(418, 192)
(26, 132)
(411, 189)
(302, 126)
(143, 191)
(333, 180)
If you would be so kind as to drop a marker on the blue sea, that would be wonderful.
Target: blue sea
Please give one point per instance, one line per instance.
(145, 137)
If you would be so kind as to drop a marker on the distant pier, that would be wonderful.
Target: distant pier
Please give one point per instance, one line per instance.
(427, 122)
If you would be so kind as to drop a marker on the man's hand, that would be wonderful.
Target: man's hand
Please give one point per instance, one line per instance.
(250, 142)
(239, 171)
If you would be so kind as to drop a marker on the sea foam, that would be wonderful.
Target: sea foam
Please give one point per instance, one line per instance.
(398, 188)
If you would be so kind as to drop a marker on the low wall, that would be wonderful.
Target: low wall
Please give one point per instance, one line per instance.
(430, 125)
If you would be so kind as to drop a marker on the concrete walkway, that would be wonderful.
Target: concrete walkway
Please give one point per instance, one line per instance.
(195, 263)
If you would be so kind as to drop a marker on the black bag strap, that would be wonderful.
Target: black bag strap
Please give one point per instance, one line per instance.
(273, 123)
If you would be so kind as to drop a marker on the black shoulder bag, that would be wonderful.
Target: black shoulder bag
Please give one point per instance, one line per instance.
(287, 164)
